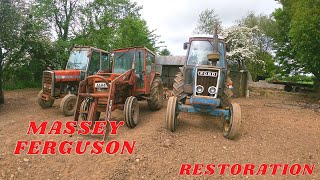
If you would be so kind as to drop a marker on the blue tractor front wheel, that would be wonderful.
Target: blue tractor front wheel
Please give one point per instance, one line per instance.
(232, 125)
(172, 113)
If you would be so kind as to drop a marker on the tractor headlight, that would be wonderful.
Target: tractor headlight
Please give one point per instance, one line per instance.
(212, 90)
(199, 89)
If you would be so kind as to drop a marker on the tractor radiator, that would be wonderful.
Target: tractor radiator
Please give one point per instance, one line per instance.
(206, 78)
(47, 82)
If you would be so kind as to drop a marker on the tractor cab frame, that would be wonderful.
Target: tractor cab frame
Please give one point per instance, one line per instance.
(83, 61)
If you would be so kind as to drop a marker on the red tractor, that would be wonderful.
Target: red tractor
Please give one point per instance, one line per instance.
(133, 78)
(83, 62)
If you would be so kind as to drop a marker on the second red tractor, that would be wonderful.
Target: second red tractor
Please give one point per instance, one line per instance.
(133, 78)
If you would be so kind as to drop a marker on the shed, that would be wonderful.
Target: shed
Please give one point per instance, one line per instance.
(168, 66)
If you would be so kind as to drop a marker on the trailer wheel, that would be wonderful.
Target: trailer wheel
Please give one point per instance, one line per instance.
(231, 127)
(131, 112)
(178, 87)
(43, 103)
(67, 104)
(172, 113)
(155, 100)
(84, 109)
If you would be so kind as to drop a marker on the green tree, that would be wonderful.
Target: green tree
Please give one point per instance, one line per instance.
(9, 23)
(298, 38)
(59, 16)
(165, 52)
(207, 20)
(100, 21)
(133, 31)
(285, 55)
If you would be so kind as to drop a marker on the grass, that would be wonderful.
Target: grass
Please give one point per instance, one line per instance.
(20, 85)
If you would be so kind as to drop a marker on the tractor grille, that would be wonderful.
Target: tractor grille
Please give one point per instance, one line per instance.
(47, 84)
(207, 78)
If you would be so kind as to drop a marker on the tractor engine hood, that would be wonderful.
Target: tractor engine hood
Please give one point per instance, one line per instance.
(67, 75)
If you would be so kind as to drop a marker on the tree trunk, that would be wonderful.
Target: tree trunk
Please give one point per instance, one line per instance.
(1, 92)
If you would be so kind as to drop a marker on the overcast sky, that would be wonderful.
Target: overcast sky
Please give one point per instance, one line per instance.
(176, 19)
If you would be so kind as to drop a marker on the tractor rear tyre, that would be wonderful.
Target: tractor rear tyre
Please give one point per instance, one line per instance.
(231, 127)
(67, 104)
(85, 107)
(172, 113)
(155, 100)
(43, 103)
(178, 87)
(131, 112)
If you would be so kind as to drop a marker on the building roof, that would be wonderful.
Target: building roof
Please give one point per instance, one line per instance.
(170, 60)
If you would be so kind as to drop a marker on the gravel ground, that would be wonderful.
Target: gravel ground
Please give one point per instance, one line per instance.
(277, 127)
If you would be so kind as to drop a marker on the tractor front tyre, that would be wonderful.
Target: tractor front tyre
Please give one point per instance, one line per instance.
(43, 103)
(131, 112)
(155, 100)
(231, 126)
(178, 87)
(67, 104)
(85, 108)
(172, 113)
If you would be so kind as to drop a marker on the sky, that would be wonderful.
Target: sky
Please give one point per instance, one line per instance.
(175, 20)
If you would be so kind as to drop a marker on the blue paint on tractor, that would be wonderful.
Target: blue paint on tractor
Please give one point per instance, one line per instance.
(205, 100)
(196, 108)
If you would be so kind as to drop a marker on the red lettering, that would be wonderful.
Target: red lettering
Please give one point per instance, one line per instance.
(250, 168)
(185, 169)
(49, 145)
(34, 147)
(56, 127)
(262, 169)
(97, 145)
(128, 147)
(20, 147)
(236, 169)
(295, 169)
(34, 129)
(275, 168)
(98, 130)
(308, 168)
(197, 169)
(210, 169)
(223, 168)
(70, 127)
(84, 128)
(110, 147)
(115, 126)
(62, 147)
(78, 147)
(285, 169)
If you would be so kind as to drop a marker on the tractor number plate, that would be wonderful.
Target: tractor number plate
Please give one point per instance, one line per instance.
(208, 73)
(101, 85)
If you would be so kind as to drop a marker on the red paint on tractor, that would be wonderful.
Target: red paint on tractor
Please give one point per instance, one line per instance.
(67, 75)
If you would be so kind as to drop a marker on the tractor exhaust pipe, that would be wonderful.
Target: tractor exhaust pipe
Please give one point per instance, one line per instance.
(215, 56)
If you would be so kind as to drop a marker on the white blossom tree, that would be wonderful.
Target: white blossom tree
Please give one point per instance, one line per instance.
(243, 46)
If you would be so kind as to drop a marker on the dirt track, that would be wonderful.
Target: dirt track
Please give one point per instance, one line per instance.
(271, 133)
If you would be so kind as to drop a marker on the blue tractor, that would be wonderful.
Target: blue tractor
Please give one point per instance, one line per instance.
(203, 85)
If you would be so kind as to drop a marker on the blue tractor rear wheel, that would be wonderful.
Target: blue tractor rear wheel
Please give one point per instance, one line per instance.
(231, 126)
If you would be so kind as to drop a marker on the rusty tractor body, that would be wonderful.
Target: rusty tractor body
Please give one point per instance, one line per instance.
(203, 85)
(133, 78)
(83, 61)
